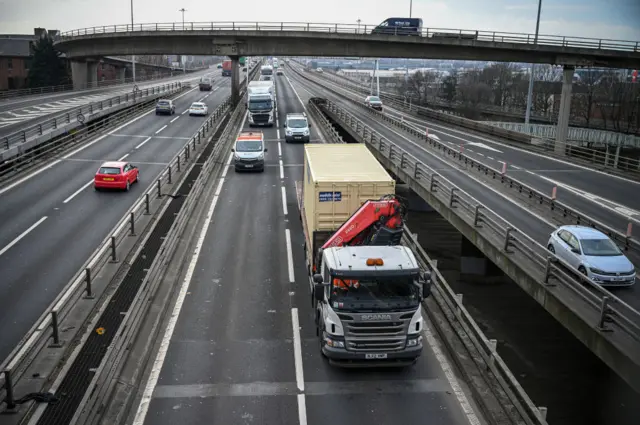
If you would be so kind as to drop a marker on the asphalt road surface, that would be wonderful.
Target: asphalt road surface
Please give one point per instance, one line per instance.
(52, 221)
(244, 348)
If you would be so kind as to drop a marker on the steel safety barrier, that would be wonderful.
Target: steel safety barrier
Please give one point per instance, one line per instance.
(83, 113)
(364, 29)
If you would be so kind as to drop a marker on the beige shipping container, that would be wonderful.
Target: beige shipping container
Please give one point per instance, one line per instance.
(338, 179)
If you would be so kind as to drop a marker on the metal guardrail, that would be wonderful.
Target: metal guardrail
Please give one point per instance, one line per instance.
(611, 160)
(547, 269)
(433, 33)
(586, 135)
(34, 156)
(68, 88)
(48, 326)
(80, 114)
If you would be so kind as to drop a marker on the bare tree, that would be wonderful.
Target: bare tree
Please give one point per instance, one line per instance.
(584, 95)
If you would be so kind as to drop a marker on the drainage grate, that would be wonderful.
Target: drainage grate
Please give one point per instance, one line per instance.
(79, 376)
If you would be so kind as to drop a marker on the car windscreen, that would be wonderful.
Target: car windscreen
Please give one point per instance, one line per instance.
(109, 170)
(599, 248)
(297, 123)
(197, 105)
(163, 103)
(248, 146)
(374, 99)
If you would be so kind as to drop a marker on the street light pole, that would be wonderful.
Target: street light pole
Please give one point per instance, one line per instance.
(410, 7)
(184, 61)
(530, 92)
(133, 57)
(358, 21)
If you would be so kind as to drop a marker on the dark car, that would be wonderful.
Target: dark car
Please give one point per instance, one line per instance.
(206, 84)
(399, 26)
(165, 106)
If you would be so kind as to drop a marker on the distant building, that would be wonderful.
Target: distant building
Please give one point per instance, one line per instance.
(15, 59)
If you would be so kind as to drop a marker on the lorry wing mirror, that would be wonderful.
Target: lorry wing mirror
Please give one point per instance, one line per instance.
(284, 125)
(317, 278)
(309, 125)
(233, 150)
(426, 284)
(318, 292)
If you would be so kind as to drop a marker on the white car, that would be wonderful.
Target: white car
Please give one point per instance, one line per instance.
(199, 108)
(593, 254)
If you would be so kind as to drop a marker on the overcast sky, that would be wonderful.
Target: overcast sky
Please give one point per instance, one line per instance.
(614, 19)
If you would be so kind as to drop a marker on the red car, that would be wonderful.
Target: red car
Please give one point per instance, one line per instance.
(115, 175)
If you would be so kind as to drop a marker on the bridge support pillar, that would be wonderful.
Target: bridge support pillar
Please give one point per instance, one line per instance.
(235, 80)
(92, 74)
(562, 129)
(121, 74)
(79, 75)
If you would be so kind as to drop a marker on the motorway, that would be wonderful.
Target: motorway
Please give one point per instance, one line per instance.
(243, 347)
(603, 196)
(52, 219)
(521, 216)
(24, 112)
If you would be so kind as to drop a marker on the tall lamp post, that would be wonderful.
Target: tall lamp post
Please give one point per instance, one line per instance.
(133, 57)
(530, 93)
(184, 61)
(410, 7)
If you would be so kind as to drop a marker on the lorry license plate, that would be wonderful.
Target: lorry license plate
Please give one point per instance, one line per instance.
(376, 356)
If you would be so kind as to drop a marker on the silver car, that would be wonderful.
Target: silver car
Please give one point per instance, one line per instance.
(593, 254)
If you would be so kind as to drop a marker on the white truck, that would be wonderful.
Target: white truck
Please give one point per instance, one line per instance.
(261, 101)
(366, 288)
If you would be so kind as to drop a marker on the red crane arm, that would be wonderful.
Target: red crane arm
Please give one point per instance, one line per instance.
(387, 212)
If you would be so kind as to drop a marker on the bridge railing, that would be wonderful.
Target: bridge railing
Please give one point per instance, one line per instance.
(362, 29)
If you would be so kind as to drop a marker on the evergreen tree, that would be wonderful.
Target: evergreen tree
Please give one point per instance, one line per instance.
(47, 67)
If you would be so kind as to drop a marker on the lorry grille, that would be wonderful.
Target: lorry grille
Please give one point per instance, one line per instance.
(260, 118)
(374, 335)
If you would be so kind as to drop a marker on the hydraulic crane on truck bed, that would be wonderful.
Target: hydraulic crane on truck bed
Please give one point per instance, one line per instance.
(374, 223)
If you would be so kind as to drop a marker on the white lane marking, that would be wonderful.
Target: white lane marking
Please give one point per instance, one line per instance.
(81, 148)
(84, 186)
(152, 381)
(450, 375)
(22, 235)
(302, 410)
(279, 149)
(515, 166)
(174, 119)
(483, 146)
(142, 144)
(161, 129)
(598, 200)
(297, 348)
(277, 133)
(491, 158)
(123, 157)
(281, 170)
(284, 201)
(296, 93)
(289, 255)
(480, 153)
(184, 112)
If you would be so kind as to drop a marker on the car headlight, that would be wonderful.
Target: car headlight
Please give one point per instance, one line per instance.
(261, 156)
(289, 132)
(306, 132)
(596, 271)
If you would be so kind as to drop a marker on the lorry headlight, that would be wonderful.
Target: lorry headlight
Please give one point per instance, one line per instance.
(414, 342)
(333, 342)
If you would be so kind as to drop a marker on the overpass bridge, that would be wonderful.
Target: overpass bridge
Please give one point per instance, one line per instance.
(504, 207)
(236, 39)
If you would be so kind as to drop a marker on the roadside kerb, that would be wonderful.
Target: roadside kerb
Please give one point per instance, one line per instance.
(609, 162)
(60, 123)
(49, 325)
(540, 273)
(95, 401)
(33, 157)
(556, 207)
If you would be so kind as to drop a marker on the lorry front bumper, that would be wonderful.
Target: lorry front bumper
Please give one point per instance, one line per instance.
(346, 358)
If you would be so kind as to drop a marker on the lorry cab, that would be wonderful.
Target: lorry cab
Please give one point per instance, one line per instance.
(368, 305)
(248, 151)
(399, 26)
(297, 128)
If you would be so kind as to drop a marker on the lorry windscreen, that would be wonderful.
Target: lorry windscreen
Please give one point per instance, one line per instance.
(248, 146)
(266, 72)
(260, 104)
(377, 294)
